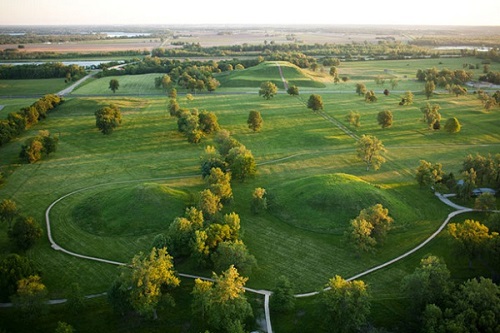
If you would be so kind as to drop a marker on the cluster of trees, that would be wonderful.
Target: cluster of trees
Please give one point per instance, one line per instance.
(42, 71)
(369, 228)
(229, 154)
(36, 147)
(194, 124)
(17, 122)
(489, 101)
(444, 77)
(486, 168)
(108, 118)
(437, 304)
(23, 231)
(492, 77)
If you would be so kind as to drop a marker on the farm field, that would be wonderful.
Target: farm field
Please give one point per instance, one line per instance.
(135, 181)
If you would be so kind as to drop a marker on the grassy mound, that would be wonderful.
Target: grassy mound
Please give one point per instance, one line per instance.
(134, 210)
(267, 71)
(327, 203)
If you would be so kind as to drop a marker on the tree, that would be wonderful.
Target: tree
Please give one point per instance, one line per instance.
(32, 150)
(360, 234)
(212, 84)
(118, 296)
(315, 102)
(208, 122)
(259, 201)
(428, 284)
(31, 297)
(8, 211)
(458, 90)
(233, 253)
(219, 183)
(209, 203)
(369, 149)
(370, 96)
(49, 142)
(485, 201)
(431, 115)
(293, 90)
(345, 305)
(385, 118)
(429, 174)
(429, 88)
(13, 268)
(268, 90)
(452, 125)
(469, 182)
(108, 118)
(353, 118)
(149, 278)
(472, 235)
(173, 107)
(166, 81)
(63, 327)
(335, 74)
(211, 159)
(114, 85)
(222, 303)
(394, 83)
(241, 162)
(407, 99)
(172, 93)
(25, 232)
(76, 298)
(360, 89)
(379, 218)
(255, 121)
(282, 299)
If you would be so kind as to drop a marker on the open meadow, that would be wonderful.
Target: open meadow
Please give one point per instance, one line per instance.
(130, 185)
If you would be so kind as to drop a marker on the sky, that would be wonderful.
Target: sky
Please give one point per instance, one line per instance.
(277, 12)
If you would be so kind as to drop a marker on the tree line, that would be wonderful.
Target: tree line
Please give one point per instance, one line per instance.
(18, 122)
(41, 71)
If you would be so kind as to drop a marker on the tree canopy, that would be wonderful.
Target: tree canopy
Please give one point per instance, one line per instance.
(369, 149)
(108, 118)
(268, 90)
(315, 102)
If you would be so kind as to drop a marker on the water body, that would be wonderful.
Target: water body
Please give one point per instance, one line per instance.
(115, 34)
(479, 49)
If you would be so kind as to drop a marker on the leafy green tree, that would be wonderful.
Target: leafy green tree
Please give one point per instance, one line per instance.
(233, 253)
(360, 89)
(472, 235)
(208, 122)
(370, 96)
(407, 99)
(219, 183)
(429, 88)
(209, 203)
(172, 93)
(8, 211)
(429, 174)
(63, 327)
(315, 102)
(282, 298)
(345, 305)
(485, 201)
(149, 279)
(293, 90)
(108, 118)
(31, 297)
(212, 84)
(49, 142)
(239, 67)
(359, 233)
(118, 297)
(211, 159)
(268, 90)
(255, 121)
(259, 201)
(369, 149)
(114, 85)
(353, 118)
(469, 183)
(458, 90)
(173, 107)
(429, 283)
(385, 118)
(379, 218)
(452, 125)
(431, 115)
(13, 268)
(32, 150)
(25, 232)
(241, 162)
(222, 303)
(76, 298)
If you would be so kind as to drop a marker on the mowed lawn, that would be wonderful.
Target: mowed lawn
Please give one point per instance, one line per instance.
(294, 145)
(31, 87)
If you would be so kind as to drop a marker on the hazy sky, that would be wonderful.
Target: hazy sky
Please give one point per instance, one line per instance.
(424, 12)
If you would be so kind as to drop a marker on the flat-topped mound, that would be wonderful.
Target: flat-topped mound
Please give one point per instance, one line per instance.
(267, 71)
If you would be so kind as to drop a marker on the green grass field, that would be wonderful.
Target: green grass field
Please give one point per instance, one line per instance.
(129, 194)
(31, 87)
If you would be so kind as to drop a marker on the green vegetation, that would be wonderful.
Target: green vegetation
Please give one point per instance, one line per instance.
(129, 193)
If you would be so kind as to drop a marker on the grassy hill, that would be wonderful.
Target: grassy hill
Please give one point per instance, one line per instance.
(267, 71)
